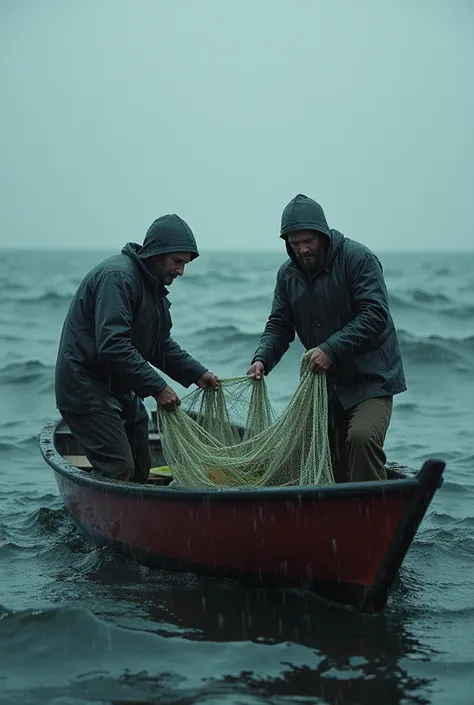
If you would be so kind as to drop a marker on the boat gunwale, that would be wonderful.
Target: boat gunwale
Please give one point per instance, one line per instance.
(299, 493)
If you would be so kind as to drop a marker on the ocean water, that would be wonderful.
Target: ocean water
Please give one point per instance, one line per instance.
(79, 624)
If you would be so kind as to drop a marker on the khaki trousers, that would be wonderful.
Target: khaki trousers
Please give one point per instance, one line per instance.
(357, 438)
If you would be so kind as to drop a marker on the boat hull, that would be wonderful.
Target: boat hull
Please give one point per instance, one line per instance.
(345, 542)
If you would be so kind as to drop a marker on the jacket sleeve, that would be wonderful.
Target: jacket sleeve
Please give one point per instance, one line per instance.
(279, 331)
(370, 301)
(113, 332)
(179, 365)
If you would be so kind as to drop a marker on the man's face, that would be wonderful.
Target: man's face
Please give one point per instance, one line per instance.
(168, 267)
(308, 246)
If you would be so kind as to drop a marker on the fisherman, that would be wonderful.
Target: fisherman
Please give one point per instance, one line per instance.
(332, 293)
(118, 326)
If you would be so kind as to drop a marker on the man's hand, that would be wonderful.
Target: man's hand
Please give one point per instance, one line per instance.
(208, 380)
(319, 361)
(167, 399)
(256, 369)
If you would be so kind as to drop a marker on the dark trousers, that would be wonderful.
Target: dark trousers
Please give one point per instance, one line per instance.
(357, 438)
(115, 443)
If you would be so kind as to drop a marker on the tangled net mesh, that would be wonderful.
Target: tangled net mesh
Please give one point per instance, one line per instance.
(232, 438)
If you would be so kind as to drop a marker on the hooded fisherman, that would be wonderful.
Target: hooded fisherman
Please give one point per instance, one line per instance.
(117, 327)
(332, 293)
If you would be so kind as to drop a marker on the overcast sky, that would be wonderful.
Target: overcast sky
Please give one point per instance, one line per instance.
(117, 111)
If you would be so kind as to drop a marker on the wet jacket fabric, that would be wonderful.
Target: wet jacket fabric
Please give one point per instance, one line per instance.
(119, 325)
(342, 308)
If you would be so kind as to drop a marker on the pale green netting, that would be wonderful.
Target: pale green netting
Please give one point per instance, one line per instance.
(232, 437)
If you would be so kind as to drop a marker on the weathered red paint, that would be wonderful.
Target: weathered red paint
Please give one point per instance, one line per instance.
(342, 539)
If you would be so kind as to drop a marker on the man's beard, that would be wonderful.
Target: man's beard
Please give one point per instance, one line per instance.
(313, 264)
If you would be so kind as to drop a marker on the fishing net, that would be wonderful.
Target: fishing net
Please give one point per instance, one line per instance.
(232, 438)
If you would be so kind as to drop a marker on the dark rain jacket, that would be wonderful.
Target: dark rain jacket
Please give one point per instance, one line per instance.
(342, 308)
(118, 322)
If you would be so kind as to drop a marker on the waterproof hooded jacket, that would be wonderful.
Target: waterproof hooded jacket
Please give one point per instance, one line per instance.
(342, 308)
(118, 328)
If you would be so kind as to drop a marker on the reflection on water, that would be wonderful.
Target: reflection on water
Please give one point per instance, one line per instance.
(357, 658)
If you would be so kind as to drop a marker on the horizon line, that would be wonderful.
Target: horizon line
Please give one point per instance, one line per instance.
(83, 250)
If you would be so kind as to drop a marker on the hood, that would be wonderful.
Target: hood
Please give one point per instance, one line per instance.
(170, 233)
(303, 213)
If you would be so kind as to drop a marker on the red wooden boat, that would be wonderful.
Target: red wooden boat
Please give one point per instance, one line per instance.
(345, 542)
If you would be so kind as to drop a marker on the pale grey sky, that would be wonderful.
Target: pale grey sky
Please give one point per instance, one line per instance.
(115, 112)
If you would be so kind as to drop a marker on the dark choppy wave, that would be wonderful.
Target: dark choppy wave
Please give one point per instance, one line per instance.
(435, 349)
(440, 304)
(225, 335)
(69, 650)
(427, 297)
(26, 372)
(41, 297)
